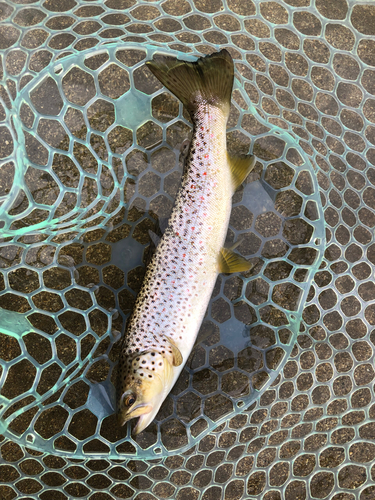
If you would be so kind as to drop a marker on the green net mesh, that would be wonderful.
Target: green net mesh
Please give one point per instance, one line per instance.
(90, 162)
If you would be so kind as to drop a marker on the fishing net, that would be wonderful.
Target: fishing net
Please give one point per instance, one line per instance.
(275, 399)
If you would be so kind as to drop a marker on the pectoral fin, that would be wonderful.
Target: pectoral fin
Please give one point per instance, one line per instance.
(231, 262)
(240, 167)
(177, 356)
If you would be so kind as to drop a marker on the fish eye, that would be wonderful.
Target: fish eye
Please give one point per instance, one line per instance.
(130, 400)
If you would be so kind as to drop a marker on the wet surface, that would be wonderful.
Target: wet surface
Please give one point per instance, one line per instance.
(306, 423)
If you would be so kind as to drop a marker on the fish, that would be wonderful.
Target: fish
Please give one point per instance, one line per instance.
(179, 280)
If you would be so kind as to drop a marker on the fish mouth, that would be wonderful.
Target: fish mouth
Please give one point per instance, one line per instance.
(121, 420)
(141, 410)
(140, 425)
(144, 420)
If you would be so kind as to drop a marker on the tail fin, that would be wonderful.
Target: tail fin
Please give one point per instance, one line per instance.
(209, 79)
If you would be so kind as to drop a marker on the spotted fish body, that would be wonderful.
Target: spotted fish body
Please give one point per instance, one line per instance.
(180, 278)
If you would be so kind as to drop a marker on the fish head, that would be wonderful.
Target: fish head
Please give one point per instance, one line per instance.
(146, 381)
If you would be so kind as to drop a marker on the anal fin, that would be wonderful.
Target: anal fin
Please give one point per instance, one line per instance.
(231, 262)
(240, 167)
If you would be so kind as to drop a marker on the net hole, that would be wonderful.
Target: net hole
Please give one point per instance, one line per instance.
(30, 438)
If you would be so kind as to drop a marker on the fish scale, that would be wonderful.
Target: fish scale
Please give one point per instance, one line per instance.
(182, 273)
(180, 278)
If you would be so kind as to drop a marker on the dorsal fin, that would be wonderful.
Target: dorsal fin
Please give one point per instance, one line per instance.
(154, 237)
(163, 224)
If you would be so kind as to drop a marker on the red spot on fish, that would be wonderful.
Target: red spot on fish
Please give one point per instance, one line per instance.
(202, 128)
(206, 156)
(177, 234)
(193, 228)
(204, 173)
(184, 255)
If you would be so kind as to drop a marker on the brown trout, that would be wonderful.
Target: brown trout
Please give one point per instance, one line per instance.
(179, 280)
